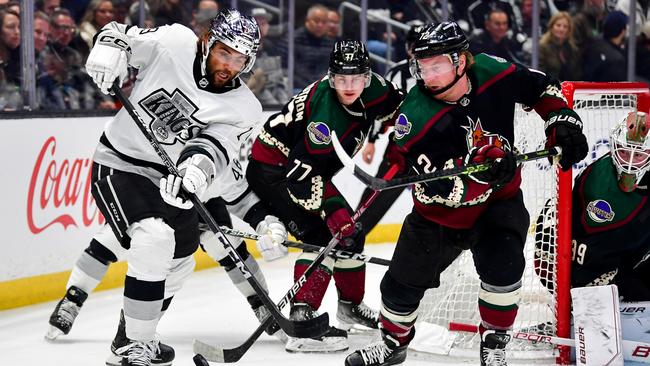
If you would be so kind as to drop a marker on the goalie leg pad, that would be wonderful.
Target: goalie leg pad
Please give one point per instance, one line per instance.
(350, 279)
(313, 291)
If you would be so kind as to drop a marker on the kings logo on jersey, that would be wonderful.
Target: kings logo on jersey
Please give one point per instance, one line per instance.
(172, 116)
(477, 137)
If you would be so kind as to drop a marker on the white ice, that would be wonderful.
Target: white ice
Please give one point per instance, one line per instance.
(208, 308)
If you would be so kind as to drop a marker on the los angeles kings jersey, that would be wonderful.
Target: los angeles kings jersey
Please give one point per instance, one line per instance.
(299, 137)
(434, 135)
(183, 115)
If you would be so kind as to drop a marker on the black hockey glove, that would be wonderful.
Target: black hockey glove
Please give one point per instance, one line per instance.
(564, 129)
(503, 169)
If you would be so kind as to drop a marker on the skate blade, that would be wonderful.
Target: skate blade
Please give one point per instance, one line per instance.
(114, 360)
(308, 345)
(52, 333)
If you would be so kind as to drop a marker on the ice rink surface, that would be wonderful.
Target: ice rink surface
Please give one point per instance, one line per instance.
(208, 308)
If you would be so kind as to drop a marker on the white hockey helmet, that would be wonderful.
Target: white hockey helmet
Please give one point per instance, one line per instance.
(235, 30)
(630, 149)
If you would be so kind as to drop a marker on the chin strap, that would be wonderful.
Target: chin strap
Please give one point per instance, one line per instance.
(440, 91)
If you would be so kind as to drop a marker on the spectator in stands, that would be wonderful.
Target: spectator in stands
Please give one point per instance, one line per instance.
(494, 39)
(77, 8)
(48, 6)
(605, 58)
(643, 53)
(63, 88)
(479, 11)
(14, 6)
(10, 46)
(172, 11)
(527, 16)
(267, 81)
(98, 14)
(10, 97)
(333, 24)
(63, 30)
(586, 23)
(41, 30)
(133, 18)
(312, 47)
(642, 11)
(206, 10)
(558, 55)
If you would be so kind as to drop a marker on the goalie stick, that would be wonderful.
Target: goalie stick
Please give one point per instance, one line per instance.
(306, 328)
(339, 254)
(379, 184)
(205, 352)
(633, 350)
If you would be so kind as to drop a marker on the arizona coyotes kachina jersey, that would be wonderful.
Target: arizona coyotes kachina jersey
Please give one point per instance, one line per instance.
(181, 114)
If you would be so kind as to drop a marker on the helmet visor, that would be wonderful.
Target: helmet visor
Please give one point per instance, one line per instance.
(349, 82)
(434, 67)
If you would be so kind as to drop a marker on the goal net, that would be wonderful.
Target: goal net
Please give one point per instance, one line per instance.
(545, 302)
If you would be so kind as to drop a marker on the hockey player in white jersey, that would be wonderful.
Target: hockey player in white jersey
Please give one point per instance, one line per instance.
(191, 97)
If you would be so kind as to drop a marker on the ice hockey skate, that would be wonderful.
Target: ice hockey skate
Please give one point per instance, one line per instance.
(356, 317)
(66, 312)
(493, 348)
(385, 352)
(162, 354)
(261, 312)
(335, 340)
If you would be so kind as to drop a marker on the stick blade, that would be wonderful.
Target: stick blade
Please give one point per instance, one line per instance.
(210, 353)
(310, 328)
(374, 183)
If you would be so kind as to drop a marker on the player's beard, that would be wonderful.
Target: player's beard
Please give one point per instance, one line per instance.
(217, 80)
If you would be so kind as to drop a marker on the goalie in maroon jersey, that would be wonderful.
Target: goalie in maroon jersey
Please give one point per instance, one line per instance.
(462, 112)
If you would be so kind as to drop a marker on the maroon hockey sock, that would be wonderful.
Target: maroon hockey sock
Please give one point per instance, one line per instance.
(402, 332)
(313, 291)
(495, 316)
(351, 283)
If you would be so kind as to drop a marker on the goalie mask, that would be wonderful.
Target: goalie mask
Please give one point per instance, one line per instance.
(630, 149)
(236, 31)
(446, 38)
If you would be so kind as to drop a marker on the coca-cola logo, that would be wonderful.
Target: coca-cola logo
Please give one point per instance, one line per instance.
(59, 192)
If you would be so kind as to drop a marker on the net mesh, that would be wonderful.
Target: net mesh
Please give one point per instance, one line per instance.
(457, 297)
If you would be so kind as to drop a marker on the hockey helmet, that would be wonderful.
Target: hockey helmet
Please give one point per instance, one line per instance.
(413, 33)
(349, 57)
(446, 38)
(630, 148)
(235, 30)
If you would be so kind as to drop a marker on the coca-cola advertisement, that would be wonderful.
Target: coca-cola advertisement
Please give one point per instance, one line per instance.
(48, 210)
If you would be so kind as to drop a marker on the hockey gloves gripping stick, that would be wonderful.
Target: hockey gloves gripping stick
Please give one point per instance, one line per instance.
(564, 129)
(338, 254)
(379, 184)
(503, 165)
(205, 352)
(302, 329)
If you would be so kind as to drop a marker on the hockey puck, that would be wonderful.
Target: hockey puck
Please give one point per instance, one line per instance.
(199, 360)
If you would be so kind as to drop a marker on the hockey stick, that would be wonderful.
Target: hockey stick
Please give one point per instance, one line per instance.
(632, 350)
(339, 254)
(307, 328)
(205, 352)
(379, 184)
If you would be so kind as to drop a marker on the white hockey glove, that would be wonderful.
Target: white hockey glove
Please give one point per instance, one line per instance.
(108, 59)
(169, 188)
(197, 172)
(273, 234)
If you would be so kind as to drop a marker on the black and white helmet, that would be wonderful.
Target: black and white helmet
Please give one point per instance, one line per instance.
(446, 38)
(235, 30)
